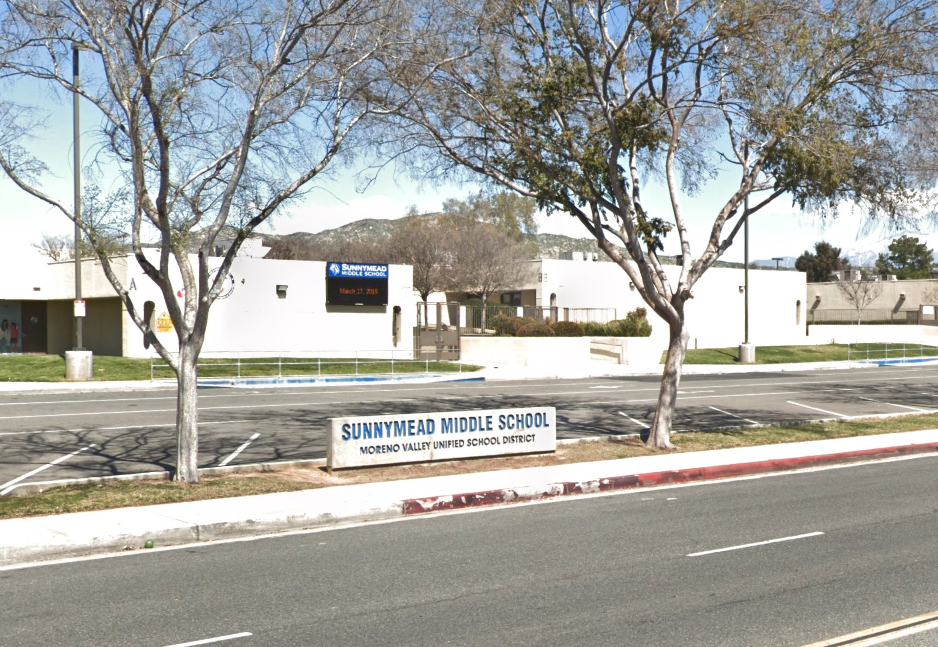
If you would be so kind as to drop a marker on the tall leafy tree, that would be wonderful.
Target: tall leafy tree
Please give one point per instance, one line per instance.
(907, 259)
(584, 105)
(821, 265)
(212, 115)
(510, 211)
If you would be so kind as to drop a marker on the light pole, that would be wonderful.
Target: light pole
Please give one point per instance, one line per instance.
(747, 352)
(78, 362)
(777, 261)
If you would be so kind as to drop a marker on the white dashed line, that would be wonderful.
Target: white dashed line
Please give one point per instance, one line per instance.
(758, 543)
(209, 641)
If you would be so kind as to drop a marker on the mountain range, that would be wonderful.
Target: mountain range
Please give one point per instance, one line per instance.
(374, 231)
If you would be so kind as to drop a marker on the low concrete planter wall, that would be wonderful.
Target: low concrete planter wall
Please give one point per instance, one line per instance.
(633, 351)
(560, 351)
(843, 334)
(525, 351)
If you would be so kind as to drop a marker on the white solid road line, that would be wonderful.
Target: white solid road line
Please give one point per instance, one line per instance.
(833, 413)
(884, 633)
(738, 417)
(209, 641)
(123, 428)
(240, 449)
(758, 543)
(637, 422)
(6, 487)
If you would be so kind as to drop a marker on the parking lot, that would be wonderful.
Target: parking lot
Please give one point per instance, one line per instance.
(53, 435)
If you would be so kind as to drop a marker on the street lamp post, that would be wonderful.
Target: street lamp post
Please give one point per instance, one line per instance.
(78, 362)
(747, 352)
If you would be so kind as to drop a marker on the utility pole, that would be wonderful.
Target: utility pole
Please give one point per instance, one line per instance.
(78, 362)
(777, 261)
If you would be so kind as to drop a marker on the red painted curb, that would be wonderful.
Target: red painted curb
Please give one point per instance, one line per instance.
(553, 490)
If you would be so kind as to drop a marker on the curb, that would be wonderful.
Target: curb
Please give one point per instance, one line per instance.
(651, 479)
(41, 539)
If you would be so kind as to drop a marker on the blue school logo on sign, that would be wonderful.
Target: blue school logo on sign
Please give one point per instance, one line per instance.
(357, 270)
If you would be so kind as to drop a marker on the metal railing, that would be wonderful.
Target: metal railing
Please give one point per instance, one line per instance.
(472, 325)
(848, 316)
(278, 364)
(890, 352)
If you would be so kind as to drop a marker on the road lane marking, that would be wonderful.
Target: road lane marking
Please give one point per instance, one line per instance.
(833, 413)
(758, 543)
(605, 387)
(6, 487)
(738, 417)
(123, 428)
(240, 449)
(883, 633)
(209, 641)
(637, 422)
(901, 406)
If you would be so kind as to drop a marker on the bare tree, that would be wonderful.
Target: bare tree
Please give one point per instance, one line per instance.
(426, 244)
(57, 248)
(861, 291)
(214, 114)
(486, 259)
(583, 106)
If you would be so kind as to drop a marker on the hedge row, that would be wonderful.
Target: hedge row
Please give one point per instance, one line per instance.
(635, 324)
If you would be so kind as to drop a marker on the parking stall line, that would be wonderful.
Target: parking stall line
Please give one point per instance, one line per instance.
(733, 415)
(901, 406)
(833, 413)
(240, 449)
(6, 487)
(637, 422)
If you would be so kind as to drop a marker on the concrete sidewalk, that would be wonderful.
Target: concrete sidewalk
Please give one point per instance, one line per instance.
(87, 533)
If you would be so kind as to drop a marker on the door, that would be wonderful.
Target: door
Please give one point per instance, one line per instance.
(34, 330)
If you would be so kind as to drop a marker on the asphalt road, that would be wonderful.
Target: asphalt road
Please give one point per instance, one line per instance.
(860, 550)
(133, 431)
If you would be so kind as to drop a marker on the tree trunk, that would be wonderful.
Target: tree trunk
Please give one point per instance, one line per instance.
(484, 308)
(660, 435)
(187, 415)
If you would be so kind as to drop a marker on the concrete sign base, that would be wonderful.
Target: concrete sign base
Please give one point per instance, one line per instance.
(451, 435)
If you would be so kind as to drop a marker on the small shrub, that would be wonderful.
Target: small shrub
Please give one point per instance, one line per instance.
(634, 325)
(567, 329)
(519, 322)
(535, 329)
(502, 325)
(594, 329)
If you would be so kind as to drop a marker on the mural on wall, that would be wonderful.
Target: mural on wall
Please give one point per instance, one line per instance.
(11, 336)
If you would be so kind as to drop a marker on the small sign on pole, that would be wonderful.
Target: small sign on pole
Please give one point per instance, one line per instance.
(79, 308)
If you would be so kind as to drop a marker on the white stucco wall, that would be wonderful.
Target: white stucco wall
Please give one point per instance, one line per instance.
(714, 315)
(254, 320)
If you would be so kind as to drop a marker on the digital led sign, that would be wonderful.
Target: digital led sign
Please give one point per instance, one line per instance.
(356, 284)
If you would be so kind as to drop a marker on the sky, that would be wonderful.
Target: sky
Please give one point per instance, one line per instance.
(779, 230)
